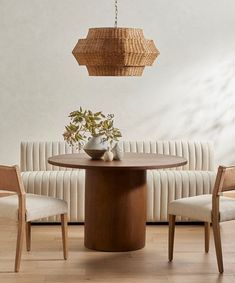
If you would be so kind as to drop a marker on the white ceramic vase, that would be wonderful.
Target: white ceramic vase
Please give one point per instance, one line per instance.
(95, 147)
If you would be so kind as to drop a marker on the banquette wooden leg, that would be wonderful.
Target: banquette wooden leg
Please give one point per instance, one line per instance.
(207, 236)
(28, 236)
(171, 236)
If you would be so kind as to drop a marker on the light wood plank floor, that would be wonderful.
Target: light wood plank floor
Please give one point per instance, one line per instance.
(45, 264)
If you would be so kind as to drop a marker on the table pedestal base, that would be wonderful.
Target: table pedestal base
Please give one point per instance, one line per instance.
(115, 209)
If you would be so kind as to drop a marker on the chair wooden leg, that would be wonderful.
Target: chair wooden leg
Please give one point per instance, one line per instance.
(207, 236)
(28, 236)
(171, 236)
(64, 227)
(218, 248)
(19, 244)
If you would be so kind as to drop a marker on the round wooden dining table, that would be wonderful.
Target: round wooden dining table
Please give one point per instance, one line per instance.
(115, 197)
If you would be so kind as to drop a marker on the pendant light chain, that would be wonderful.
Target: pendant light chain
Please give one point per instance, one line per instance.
(116, 14)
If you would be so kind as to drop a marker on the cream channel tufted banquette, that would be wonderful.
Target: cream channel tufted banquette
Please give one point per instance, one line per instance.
(195, 178)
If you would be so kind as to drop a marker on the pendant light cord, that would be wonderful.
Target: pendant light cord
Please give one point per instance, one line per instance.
(116, 14)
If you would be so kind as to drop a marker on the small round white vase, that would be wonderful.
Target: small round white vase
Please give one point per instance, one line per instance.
(108, 156)
(117, 152)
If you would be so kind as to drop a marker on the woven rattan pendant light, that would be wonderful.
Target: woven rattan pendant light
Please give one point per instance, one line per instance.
(115, 51)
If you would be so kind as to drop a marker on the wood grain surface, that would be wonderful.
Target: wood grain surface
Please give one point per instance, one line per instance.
(115, 210)
(130, 161)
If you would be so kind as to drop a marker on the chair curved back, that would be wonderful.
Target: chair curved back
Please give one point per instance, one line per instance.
(225, 181)
(10, 179)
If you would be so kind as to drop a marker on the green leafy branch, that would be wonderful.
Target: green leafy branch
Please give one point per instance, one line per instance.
(85, 123)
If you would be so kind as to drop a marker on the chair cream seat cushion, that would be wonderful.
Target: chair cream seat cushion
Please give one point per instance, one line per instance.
(37, 207)
(200, 208)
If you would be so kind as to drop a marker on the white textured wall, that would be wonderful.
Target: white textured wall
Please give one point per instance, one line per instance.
(189, 93)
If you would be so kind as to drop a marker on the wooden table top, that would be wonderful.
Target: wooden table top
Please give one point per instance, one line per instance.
(134, 161)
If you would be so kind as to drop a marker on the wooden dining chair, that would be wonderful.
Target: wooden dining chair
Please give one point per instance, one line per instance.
(25, 208)
(208, 208)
